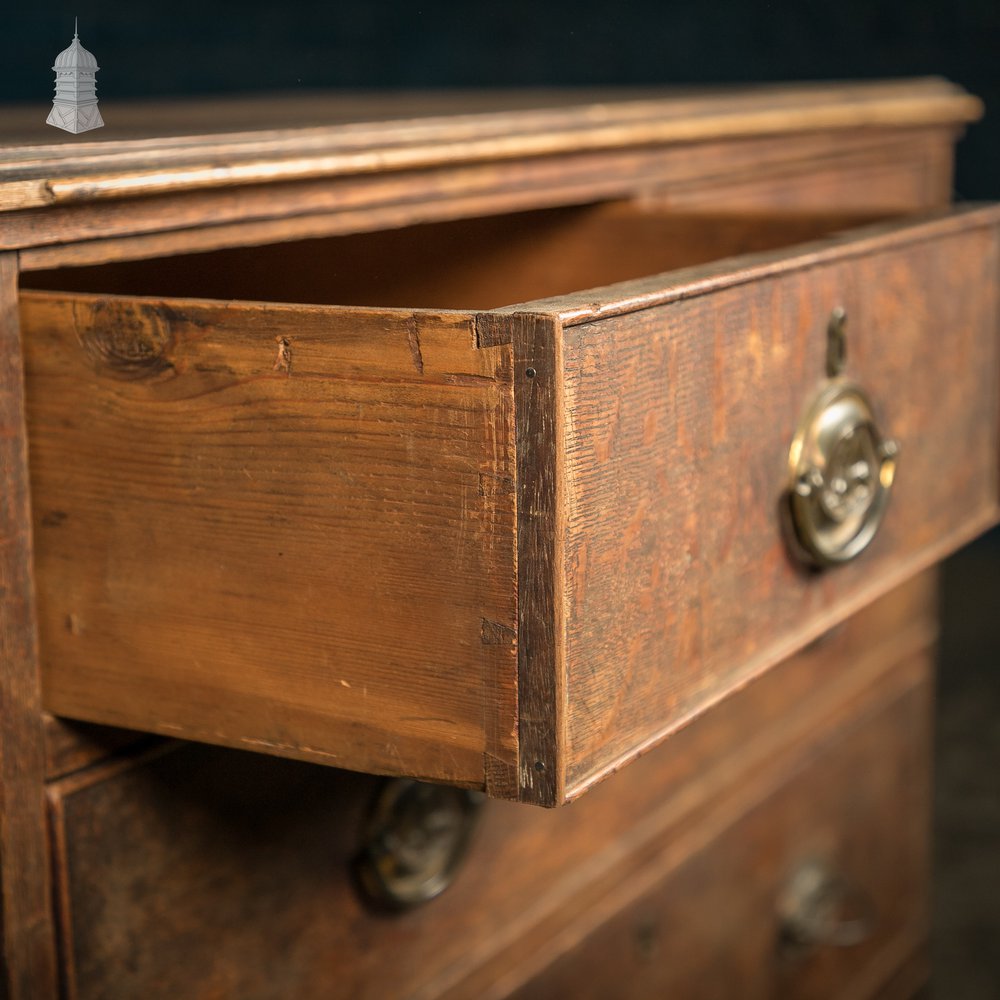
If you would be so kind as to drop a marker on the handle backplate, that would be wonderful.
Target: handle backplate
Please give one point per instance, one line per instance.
(840, 467)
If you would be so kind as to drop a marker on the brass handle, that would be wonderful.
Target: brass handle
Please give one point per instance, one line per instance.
(841, 468)
(818, 907)
(415, 840)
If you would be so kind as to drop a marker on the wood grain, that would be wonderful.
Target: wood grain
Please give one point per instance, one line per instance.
(368, 536)
(680, 408)
(517, 256)
(136, 169)
(538, 422)
(711, 774)
(71, 746)
(708, 927)
(276, 527)
(27, 934)
(525, 255)
(211, 873)
(865, 169)
(611, 477)
(661, 289)
(906, 171)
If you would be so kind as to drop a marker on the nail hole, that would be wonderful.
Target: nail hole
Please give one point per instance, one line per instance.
(530, 373)
(539, 765)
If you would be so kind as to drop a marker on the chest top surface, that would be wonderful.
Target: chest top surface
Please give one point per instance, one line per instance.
(156, 148)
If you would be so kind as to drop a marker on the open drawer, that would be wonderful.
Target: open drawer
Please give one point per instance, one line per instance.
(505, 547)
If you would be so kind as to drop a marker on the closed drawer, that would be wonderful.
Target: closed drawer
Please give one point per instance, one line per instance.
(508, 549)
(204, 872)
(817, 892)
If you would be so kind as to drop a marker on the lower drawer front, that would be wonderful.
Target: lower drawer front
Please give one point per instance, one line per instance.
(201, 872)
(817, 892)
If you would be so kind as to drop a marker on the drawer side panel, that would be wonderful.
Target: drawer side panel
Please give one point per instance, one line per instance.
(679, 587)
(282, 528)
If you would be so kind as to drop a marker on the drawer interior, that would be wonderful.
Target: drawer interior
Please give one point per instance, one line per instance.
(477, 263)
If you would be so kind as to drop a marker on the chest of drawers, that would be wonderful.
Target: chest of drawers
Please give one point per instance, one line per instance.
(492, 448)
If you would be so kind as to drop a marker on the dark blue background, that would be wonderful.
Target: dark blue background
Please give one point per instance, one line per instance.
(193, 47)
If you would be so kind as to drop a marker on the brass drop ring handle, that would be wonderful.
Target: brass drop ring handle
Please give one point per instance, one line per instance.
(841, 469)
(415, 839)
(820, 908)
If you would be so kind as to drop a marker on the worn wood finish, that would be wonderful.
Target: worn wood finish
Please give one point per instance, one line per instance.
(45, 175)
(244, 513)
(217, 131)
(708, 926)
(71, 746)
(538, 425)
(27, 941)
(240, 540)
(517, 256)
(661, 289)
(208, 873)
(867, 170)
(712, 773)
(907, 172)
(679, 416)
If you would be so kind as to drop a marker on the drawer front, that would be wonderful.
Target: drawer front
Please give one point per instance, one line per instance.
(680, 406)
(202, 872)
(817, 892)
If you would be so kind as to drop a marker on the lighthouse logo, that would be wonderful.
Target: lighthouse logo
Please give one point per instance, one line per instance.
(75, 106)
